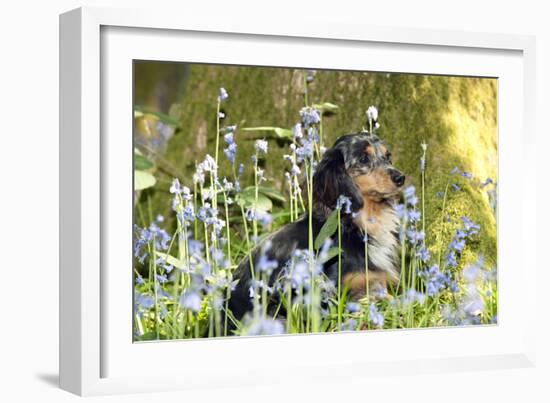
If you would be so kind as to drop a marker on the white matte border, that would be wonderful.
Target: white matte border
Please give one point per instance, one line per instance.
(122, 357)
(508, 339)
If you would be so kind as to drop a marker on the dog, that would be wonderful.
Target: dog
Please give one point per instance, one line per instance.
(358, 166)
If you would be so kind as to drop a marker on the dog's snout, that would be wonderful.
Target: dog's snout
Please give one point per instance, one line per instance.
(397, 177)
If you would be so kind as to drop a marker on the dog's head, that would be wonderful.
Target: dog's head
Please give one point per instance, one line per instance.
(358, 166)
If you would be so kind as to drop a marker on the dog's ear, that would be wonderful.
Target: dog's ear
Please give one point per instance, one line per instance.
(330, 181)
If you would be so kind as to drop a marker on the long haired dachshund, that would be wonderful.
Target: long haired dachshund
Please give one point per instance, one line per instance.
(359, 167)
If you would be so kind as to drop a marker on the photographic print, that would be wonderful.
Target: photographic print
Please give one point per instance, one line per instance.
(271, 201)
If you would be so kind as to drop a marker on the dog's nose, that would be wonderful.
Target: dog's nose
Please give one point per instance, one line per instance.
(398, 178)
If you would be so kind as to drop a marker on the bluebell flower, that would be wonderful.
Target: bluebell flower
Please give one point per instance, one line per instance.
(411, 296)
(139, 280)
(466, 175)
(415, 236)
(457, 244)
(454, 171)
(473, 272)
(228, 129)
(298, 273)
(295, 170)
(228, 138)
(414, 215)
(434, 279)
(450, 259)
(261, 146)
(409, 194)
(223, 95)
(260, 175)
(191, 300)
(372, 114)
(264, 264)
(400, 211)
(231, 152)
(469, 226)
(310, 116)
(423, 254)
(310, 75)
(227, 185)
(297, 131)
(453, 286)
(143, 301)
(208, 165)
(487, 181)
(352, 307)
(305, 152)
(187, 214)
(455, 187)
(348, 325)
(375, 317)
(175, 188)
(344, 202)
(161, 278)
(264, 326)
(264, 218)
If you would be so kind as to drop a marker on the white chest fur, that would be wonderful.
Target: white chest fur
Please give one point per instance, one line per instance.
(381, 224)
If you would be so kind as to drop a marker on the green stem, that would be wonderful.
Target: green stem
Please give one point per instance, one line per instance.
(227, 229)
(249, 250)
(442, 218)
(217, 130)
(154, 260)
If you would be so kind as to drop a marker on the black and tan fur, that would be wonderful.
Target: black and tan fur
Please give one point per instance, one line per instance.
(359, 167)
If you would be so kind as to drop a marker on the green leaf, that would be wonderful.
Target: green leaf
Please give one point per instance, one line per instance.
(143, 180)
(273, 194)
(178, 264)
(327, 230)
(327, 108)
(141, 163)
(278, 131)
(332, 252)
(164, 118)
(247, 199)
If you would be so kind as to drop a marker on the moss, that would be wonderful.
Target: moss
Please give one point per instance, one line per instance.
(455, 116)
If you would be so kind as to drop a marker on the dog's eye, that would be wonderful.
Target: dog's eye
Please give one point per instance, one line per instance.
(364, 159)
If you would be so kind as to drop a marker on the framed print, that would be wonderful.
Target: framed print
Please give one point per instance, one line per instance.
(289, 201)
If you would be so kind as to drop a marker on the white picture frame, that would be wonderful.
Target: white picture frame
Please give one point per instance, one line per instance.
(95, 350)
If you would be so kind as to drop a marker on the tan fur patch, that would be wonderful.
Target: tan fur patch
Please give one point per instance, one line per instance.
(369, 150)
(375, 184)
(383, 149)
(378, 219)
(355, 282)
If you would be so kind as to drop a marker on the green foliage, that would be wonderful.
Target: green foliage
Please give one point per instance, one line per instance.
(327, 230)
(143, 180)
